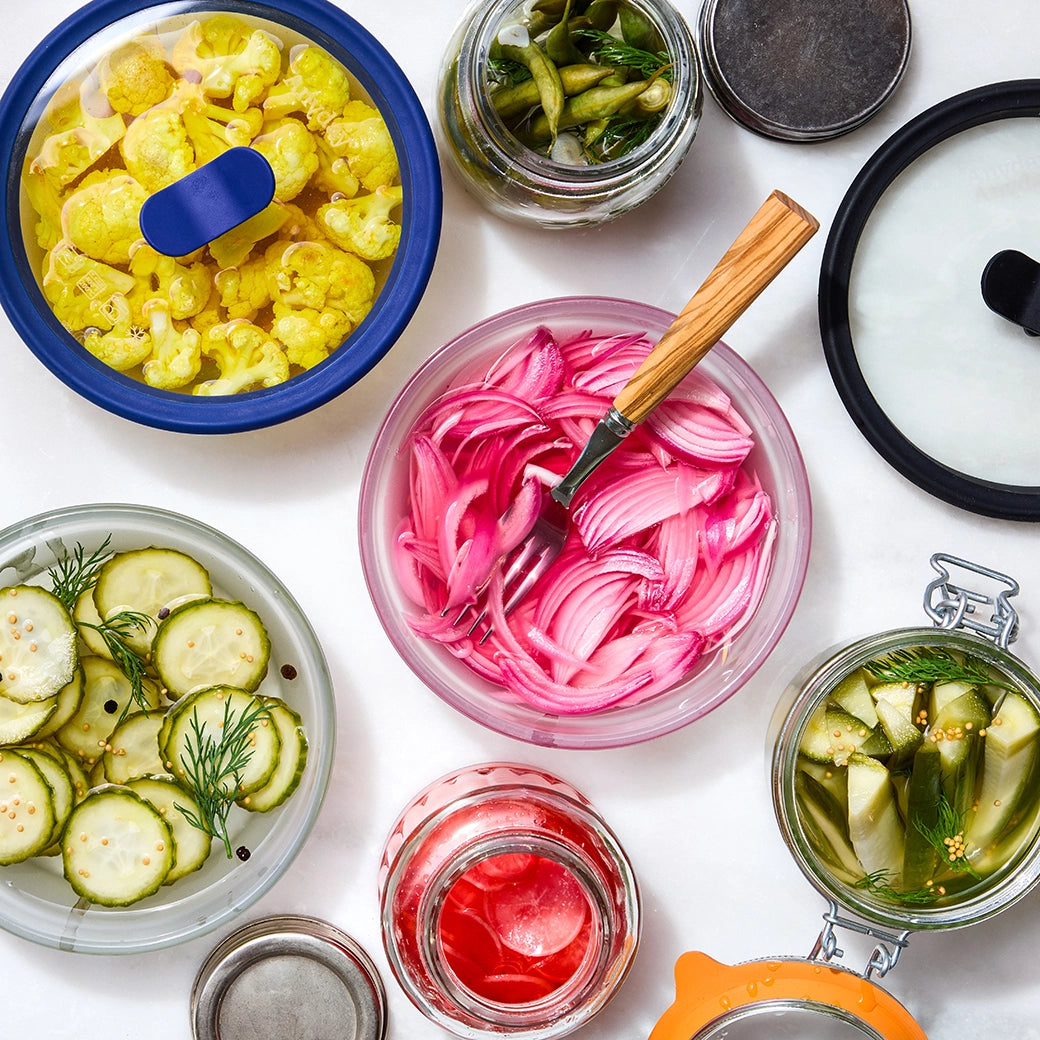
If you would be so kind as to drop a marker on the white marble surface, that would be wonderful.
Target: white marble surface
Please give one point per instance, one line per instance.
(693, 809)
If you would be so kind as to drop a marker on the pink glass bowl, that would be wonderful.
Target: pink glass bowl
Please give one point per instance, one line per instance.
(775, 459)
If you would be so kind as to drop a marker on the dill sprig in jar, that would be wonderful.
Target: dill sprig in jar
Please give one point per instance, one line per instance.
(566, 113)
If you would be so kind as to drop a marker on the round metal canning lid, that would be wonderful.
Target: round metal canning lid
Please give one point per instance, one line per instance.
(288, 978)
(803, 70)
(927, 295)
(774, 999)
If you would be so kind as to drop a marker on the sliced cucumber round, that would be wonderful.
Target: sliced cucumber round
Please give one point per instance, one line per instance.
(88, 620)
(133, 748)
(21, 722)
(107, 694)
(206, 719)
(26, 808)
(38, 652)
(191, 844)
(53, 770)
(292, 757)
(66, 704)
(116, 848)
(150, 581)
(211, 642)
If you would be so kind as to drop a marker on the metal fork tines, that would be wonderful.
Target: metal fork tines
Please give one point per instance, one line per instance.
(525, 567)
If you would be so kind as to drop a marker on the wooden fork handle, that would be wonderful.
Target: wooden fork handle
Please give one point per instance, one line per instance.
(761, 251)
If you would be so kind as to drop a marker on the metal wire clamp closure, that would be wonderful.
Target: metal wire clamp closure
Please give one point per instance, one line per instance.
(883, 957)
(952, 606)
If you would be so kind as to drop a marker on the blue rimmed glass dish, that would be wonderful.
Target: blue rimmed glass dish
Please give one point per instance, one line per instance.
(91, 32)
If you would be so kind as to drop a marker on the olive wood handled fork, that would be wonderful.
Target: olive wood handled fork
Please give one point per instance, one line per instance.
(772, 237)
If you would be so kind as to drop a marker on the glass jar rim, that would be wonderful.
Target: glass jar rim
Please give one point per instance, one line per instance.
(578, 992)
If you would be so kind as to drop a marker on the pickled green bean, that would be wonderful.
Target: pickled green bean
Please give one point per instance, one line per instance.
(546, 77)
(588, 107)
(520, 97)
(558, 43)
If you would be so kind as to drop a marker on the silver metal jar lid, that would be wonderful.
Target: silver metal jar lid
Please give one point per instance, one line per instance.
(288, 978)
(803, 70)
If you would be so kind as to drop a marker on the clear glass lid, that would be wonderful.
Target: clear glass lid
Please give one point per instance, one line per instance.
(926, 300)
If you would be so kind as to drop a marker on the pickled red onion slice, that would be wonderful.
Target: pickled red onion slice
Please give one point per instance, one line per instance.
(670, 542)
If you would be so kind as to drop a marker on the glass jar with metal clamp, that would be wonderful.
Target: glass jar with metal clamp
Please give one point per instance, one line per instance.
(906, 782)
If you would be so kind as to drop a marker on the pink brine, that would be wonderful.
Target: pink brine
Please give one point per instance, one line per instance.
(507, 904)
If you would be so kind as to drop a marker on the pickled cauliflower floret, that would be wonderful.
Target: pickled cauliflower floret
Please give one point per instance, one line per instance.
(102, 218)
(84, 129)
(246, 357)
(230, 57)
(363, 224)
(234, 246)
(184, 132)
(135, 77)
(315, 84)
(319, 293)
(186, 287)
(46, 201)
(156, 150)
(361, 137)
(289, 148)
(333, 175)
(244, 290)
(176, 355)
(83, 292)
(125, 346)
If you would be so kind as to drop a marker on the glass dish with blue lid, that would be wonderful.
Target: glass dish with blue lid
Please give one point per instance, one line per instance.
(220, 215)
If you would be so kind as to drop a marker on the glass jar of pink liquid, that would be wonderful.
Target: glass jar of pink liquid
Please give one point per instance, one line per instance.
(508, 906)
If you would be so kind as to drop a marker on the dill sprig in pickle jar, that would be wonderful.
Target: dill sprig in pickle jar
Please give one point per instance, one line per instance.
(568, 113)
(906, 782)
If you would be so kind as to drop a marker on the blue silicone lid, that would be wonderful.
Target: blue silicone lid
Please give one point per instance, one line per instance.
(99, 24)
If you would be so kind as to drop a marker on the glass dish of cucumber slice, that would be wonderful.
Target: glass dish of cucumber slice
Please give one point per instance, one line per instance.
(166, 728)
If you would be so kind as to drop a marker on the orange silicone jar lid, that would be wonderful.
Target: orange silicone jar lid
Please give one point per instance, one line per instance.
(712, 998)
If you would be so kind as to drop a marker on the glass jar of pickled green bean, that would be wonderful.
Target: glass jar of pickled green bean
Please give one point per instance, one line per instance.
(568, 113)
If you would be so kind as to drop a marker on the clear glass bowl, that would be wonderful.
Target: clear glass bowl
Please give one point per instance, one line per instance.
(67, 56)
(775, 458)
(35, 901)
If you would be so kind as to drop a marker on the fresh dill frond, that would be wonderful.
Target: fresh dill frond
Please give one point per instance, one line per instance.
(947, 837)
(609, 50)
(932, 665)
(74, 573)
(502, 70)
(879, 883)
(620, 136)
(213, 768)
(115, 631)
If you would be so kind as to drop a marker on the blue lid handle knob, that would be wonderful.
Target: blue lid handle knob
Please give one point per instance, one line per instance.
(213, 199)
(1011, 288)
